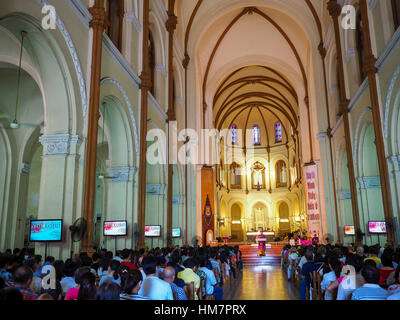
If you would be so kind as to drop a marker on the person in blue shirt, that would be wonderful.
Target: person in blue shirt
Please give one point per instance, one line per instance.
(169, 276)
(306, 270)
(371, 289)
(112, 274)
(38, 262)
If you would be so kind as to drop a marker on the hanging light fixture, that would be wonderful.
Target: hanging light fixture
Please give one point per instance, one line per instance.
(14, 124)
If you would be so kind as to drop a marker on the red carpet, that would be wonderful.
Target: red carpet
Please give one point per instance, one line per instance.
(272, 255)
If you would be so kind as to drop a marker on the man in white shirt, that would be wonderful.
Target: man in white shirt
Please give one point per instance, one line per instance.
(153, 287)
(353, 278)
(292, 258)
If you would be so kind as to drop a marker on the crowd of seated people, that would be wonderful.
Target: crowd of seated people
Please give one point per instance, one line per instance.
(156, 274)
(337, 272)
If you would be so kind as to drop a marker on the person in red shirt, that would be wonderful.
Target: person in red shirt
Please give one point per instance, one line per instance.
(126, 256)
(387, 267)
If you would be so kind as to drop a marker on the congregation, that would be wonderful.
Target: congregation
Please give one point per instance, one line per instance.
(337, 272)
(187, 273)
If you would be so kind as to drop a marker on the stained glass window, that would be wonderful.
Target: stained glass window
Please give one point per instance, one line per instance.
(234, 134)
(278, 132)
(256, 135)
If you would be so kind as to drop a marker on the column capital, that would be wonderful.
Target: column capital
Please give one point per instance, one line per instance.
(171, 22)
(58, 144)
(344, 106)
(145, 81)
(369, 65)
(334, 8)
(26, 167)
(155, 189)
(122, 174)
(99, 20)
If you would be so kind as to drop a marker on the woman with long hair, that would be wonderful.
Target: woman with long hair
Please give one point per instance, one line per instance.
(87, 289)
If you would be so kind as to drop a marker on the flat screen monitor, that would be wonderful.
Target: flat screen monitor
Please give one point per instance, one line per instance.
(115, 228)
(152, 231)
(349, 231)
(45, 230)
(176, 232)
(377, 227)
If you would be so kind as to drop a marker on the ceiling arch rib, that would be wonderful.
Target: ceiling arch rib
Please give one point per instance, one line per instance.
(251, 104)
(253, 80)
(261, 94)
(276, 26)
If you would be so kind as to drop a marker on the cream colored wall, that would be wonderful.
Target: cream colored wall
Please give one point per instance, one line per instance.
(386, 49)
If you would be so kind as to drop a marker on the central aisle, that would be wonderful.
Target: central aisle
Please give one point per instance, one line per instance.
(260, 283)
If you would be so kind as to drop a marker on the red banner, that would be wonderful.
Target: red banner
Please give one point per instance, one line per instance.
(312, 201)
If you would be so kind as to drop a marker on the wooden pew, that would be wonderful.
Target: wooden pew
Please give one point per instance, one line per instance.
(317, 291)
(189, 290)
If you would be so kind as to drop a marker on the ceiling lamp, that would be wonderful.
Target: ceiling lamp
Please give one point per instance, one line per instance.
(14, 124)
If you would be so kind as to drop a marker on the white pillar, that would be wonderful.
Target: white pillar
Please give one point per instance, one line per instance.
(59, 181)
(119, 204)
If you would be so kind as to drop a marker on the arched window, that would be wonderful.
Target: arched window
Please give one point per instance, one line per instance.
(234, 134)
(152, 63)
(278, 132)
(281, 180)
(115, 15)
(258, 176)
(256, 135)
(396, 13)
(360, 47)
(235, 175)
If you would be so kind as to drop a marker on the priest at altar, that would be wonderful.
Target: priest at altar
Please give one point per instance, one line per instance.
(261, 240)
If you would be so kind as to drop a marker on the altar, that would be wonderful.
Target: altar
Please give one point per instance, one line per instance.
(252, 235)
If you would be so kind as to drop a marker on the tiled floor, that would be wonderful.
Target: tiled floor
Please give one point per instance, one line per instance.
(260, 283)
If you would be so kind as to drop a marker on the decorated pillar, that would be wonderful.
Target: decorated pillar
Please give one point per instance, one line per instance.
(145, 86)
(59, 176)
(335, 11)
(120, 189)
(171, 26)
(98, 24)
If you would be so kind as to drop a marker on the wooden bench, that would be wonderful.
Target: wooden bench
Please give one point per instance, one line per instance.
(317, 291)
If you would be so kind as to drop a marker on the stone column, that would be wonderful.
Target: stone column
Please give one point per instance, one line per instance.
(58, 199)
(120, 190)
(335, 10)
(322, 53)
(144, 88)
(171, 26)
(98, 24)
(371, 71)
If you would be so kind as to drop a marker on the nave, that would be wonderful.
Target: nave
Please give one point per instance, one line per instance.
(261, 283)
